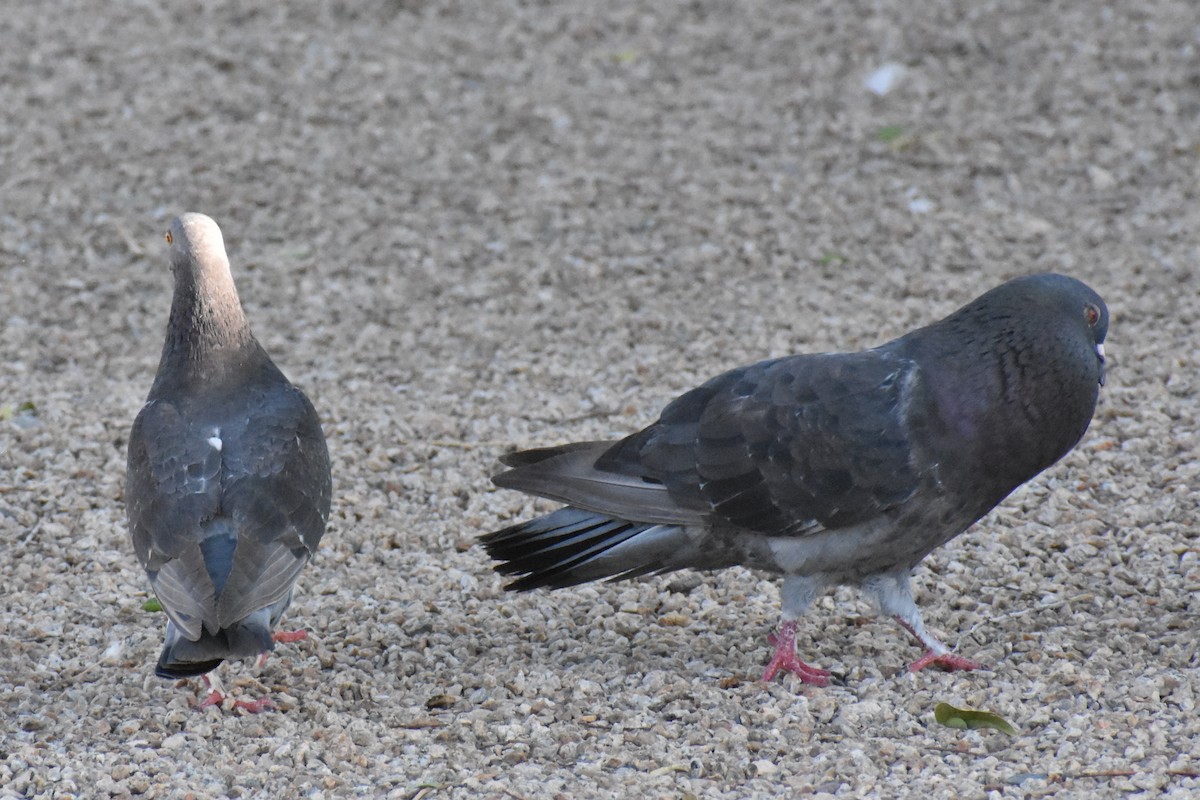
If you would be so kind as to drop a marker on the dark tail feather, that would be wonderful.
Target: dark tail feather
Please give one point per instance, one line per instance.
(572, 546)
(170, 668)
(523, 458)
(183, 658)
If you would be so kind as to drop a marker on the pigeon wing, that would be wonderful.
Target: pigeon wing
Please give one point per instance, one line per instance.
(277, 492)
(173, 486)
(789, 446)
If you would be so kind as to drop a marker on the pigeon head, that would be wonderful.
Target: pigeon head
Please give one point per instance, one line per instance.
(207, 330)
(1061, 310)
(196, 246)
(1017, 372)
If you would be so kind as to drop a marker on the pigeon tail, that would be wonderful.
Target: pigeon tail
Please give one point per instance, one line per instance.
(571, 474)
(572, 546)
(184, 658)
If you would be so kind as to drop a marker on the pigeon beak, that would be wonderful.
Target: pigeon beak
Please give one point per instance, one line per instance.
(1100, 355)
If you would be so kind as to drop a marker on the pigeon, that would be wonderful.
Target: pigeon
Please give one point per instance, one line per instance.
(227, 486)
(831, 469)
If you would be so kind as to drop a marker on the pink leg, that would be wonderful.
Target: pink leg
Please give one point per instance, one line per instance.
(785, 658)
(936, 654)
(216, 692)
(947, 661)
(262, 704)
(254, 706)
(280, 636)
(216, 697)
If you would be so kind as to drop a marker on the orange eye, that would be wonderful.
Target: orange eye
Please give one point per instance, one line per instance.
(170, 239)
(1091, 313)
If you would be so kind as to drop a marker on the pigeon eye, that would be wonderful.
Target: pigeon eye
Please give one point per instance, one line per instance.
(1090, 313)
(170, 239)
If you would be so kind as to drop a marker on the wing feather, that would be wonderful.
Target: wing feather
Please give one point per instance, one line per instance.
(260, 475)
(790, 446)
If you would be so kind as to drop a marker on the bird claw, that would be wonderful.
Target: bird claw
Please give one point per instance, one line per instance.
(806, 673)
(785, 660)
(290, 636)
(216, 691)
(216, 697)
(254, 706)
(280, 636)
(951, 662)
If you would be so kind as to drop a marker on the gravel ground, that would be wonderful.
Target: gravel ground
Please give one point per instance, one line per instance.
(463, 227)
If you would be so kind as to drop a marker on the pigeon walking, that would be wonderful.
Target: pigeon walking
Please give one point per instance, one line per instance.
(837, 468)
(227, 486)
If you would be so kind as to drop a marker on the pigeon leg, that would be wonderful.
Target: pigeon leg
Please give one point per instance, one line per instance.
(280, 636)
(216, 692)
(216, 697)
(894, 596)
(262, 704)
(798, 594)
(254, 706)
(937, 654)
(786, 660)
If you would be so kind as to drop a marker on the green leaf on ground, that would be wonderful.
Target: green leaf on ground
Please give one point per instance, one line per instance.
(152, 605)
(969, 718)
(889, 133)
(27, 408)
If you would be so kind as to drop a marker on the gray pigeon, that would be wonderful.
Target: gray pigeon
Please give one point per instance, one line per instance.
(227, 487)
(837, 468)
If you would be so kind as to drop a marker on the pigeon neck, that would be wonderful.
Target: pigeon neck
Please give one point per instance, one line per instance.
(207, 334)
(994, 392)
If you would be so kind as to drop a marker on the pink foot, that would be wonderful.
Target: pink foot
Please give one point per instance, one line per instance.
(216, 697)
(216, 692)
(254, 706)
(785, 658)
(947, 661)
(280, 636)
(290, 636)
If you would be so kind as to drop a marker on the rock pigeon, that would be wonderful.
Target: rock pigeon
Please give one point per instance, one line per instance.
(227, 486)
(832, 469)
